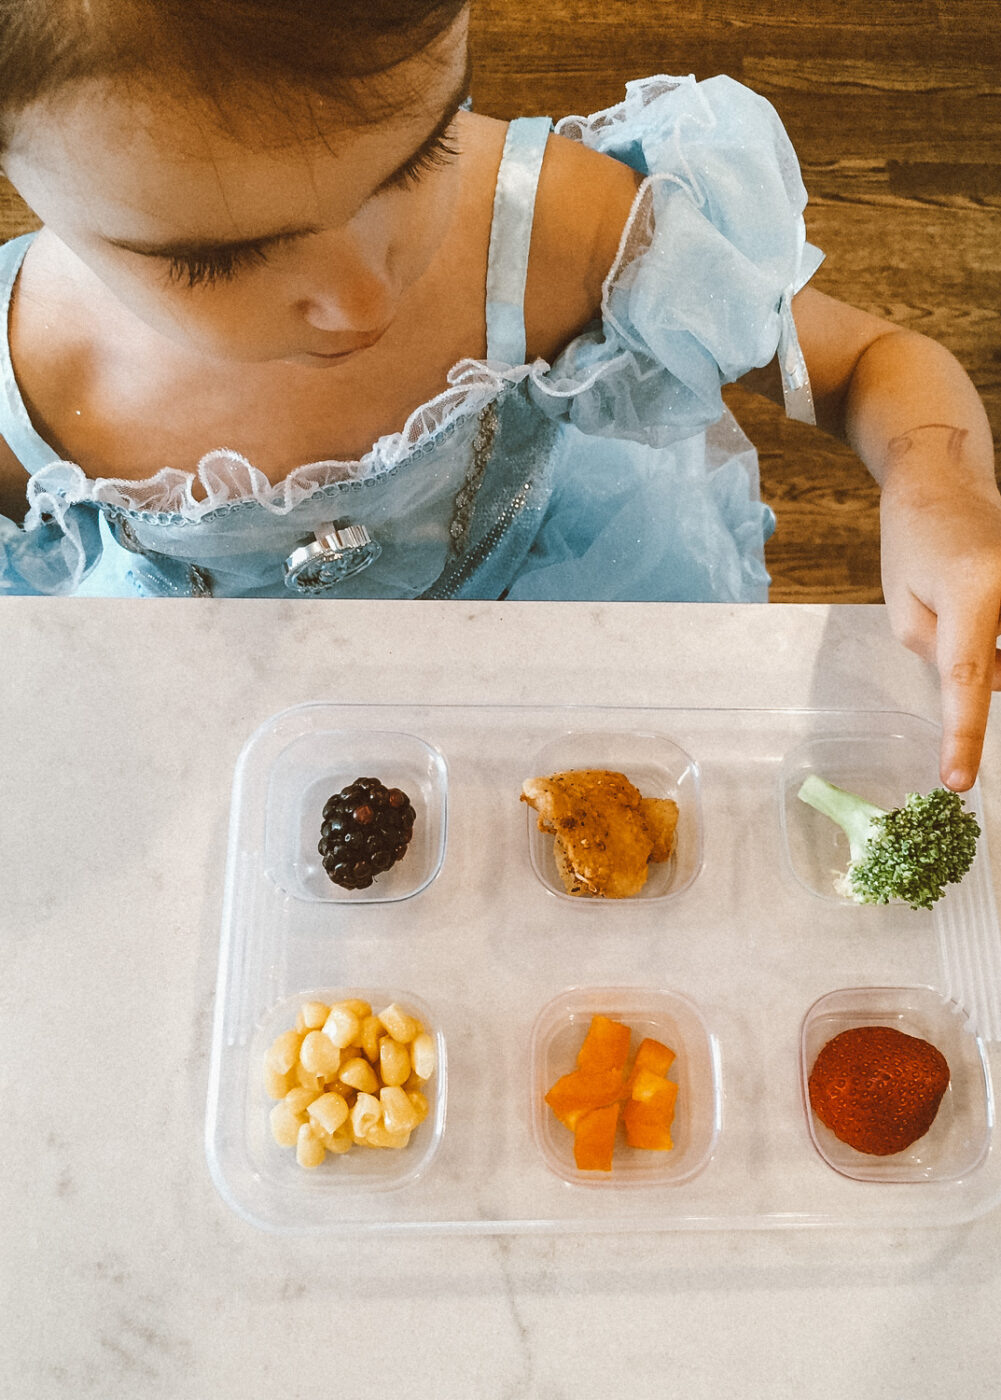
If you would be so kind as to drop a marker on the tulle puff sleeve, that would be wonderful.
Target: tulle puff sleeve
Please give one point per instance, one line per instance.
(51, 554)
(711, 256)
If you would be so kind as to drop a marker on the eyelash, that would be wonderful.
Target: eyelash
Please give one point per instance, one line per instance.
(221, 267)
(225, 266)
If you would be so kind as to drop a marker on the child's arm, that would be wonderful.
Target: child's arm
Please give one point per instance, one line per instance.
(905, 405)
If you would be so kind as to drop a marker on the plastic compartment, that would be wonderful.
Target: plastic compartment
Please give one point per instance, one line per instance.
(363, 1168)
(654, 764)
(666, 1016)
(958, 1139)
(313, 767)
(883, 768)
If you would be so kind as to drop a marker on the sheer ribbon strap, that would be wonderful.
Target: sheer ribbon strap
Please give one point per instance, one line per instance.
(16, 426)
(511, 235)
(796, 389)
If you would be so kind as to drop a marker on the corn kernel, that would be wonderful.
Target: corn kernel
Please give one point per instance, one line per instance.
(347, 1091)
(313, 1014)
(371, 1033)
(400, 1024)
(318, 1056)
(342, 1026)
(380, 1136)
(328, 1111)
(283, 1052)
(423, 1055)
(359, 1074)
(394, 1061)
(356, 1006)
(341, 1141)
(398, 1113)
(299, 1099)
(309, 1152)
(419, 1103)
(285, 1124)
(366, 1112)
(276, 1085)
(307, 1080)
(338, 1142)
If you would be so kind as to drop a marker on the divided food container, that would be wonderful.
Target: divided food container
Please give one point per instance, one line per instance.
(737, 953)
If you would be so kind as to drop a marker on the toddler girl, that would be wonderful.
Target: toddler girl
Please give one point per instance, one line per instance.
(299, 323)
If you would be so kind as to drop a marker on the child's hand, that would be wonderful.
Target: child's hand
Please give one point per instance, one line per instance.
(911, 413)
(941, 562)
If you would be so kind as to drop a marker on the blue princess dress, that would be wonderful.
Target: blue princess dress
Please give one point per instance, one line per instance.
(613, 473)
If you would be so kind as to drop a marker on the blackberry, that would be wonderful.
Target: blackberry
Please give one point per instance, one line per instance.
(366, 829)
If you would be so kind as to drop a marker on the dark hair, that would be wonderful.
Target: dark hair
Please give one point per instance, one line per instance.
(208, 48)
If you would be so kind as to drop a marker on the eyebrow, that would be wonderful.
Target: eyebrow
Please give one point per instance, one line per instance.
(203, 247)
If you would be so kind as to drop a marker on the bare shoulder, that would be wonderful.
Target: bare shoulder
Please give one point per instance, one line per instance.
(13, 483)
(584, 199)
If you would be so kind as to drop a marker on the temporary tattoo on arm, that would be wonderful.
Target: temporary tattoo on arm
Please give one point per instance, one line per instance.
(900, 445)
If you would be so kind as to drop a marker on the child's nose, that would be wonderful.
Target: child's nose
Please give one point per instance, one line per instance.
(355, 296)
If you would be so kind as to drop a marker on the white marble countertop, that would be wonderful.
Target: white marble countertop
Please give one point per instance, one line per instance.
(126, 1275)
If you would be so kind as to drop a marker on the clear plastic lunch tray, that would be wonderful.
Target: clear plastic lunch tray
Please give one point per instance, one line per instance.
(738, 951)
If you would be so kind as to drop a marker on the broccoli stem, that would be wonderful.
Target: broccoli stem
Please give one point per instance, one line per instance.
(853, 814)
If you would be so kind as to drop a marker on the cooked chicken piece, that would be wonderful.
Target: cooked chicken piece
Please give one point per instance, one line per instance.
(606, 832)
(661, 817)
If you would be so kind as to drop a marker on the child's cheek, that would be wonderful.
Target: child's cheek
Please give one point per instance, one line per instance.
(235, 323)
(423, 223)
(220, 321)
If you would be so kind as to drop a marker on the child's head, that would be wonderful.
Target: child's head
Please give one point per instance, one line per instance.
(167, 144)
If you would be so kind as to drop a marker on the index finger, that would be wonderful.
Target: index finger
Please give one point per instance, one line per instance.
(969, 667)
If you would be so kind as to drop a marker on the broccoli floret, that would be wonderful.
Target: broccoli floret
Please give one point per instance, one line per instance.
(909, 854)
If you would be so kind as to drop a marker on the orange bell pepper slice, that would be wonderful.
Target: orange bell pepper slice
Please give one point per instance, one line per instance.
(594, 1139)
(646, 1128)
(653, 1055)
(581, 1091)
(652, 1088)
(649, 1113)
(606, 1045)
